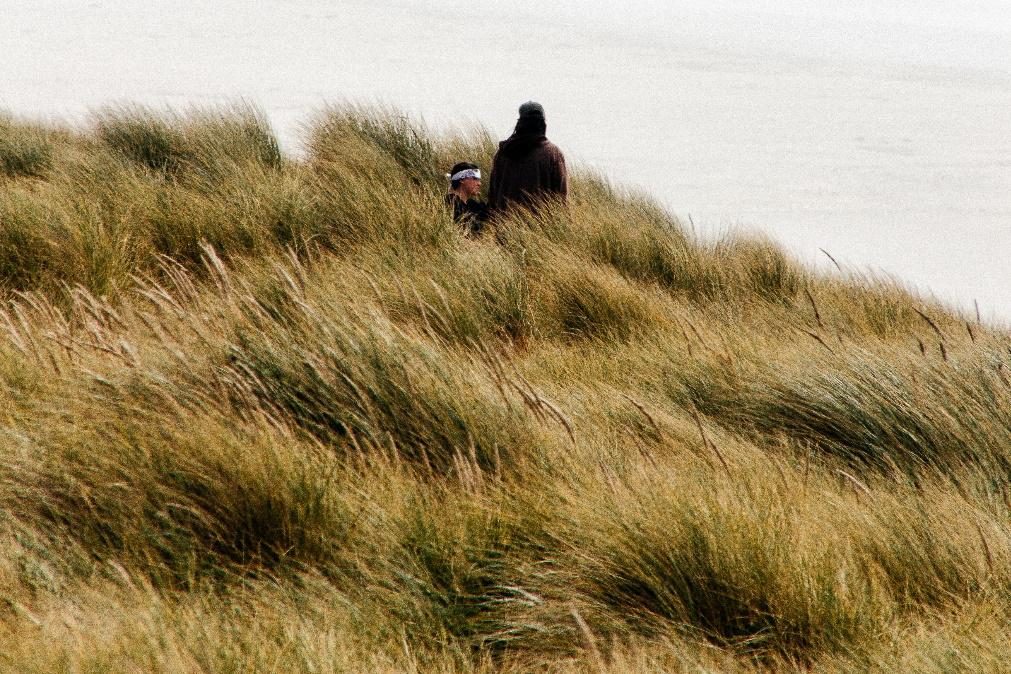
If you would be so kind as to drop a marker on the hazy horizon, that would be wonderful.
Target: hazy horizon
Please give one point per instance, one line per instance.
(875, 131)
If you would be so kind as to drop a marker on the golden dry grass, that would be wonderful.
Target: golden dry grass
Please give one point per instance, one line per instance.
(261, 413)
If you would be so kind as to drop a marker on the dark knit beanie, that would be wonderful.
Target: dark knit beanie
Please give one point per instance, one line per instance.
(532, 109)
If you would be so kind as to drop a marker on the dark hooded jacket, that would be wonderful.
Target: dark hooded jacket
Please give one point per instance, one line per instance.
(527, 168)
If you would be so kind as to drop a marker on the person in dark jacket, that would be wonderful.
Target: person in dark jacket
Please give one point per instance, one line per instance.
(527, 167)
(464, 186)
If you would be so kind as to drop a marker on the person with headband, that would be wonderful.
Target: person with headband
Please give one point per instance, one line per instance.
(464, 186)
(527, 167)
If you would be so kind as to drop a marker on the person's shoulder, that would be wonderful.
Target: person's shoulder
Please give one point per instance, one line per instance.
(551, 150)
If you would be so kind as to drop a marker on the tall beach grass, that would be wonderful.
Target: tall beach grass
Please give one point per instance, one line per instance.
(262, 413)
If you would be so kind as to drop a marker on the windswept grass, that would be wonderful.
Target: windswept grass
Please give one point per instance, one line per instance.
(26, 150)
(266, 413)
(206, 143)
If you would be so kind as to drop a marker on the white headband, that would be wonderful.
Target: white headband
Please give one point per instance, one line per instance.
(466, 173)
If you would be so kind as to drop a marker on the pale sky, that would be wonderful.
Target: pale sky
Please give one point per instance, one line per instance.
(875, 130)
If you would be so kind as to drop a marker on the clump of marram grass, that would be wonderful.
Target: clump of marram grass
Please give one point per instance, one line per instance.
(715, 552)
(474, 293)
(345, 384)
(587, 300)
(180, 511)
(28, 254)
(397, 137)
(758, 266)
(204, 142)
(865, 408)
(264, 412)
(25, 149)
(142, 137)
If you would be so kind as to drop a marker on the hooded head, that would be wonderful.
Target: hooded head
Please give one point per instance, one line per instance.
(529, 133)
(531, 119)
(531, 109)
